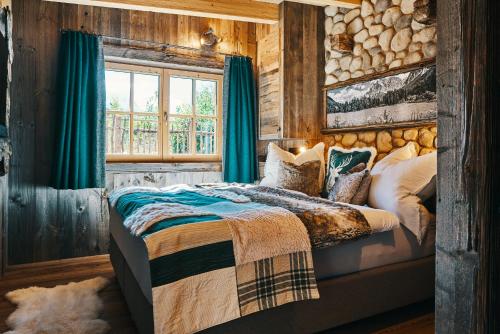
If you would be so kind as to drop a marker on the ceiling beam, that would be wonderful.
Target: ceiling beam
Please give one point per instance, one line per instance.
(239, 10)
(323, 3)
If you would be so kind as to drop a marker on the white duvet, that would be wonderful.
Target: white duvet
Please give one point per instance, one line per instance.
(379, 220)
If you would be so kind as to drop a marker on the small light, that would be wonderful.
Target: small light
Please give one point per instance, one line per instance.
(302, 149)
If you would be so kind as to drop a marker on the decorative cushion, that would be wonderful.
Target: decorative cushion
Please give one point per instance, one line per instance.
(347, 186)
(361, 196)
(276, 154)
(303, 178)
(341, 160)
(397, 186)
(404, 153)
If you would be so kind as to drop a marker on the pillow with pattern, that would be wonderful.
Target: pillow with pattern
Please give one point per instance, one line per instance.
(341, 161)
(303, 178)
(351, 188)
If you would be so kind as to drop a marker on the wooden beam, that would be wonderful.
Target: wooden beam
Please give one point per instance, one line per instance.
(238, 10)
(468, 211)
(323, 3)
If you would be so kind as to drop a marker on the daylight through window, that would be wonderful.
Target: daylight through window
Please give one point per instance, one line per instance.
(162, 114)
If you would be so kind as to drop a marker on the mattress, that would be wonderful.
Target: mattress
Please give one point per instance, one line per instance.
(389, 244)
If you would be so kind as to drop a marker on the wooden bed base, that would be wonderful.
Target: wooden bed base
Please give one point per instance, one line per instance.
(343, 299)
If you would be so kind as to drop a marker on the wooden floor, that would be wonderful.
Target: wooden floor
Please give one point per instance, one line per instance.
(416, 319)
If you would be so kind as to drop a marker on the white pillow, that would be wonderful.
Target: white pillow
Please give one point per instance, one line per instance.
(397, 186)
(379, 220)
(276, 154)
(404, 153)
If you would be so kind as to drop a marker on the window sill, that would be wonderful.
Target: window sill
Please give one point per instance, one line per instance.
(164, 167)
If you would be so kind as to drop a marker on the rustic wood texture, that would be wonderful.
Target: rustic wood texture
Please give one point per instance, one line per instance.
(467, 286)
(269, 80)
(241, 10)
(415, 319)
(323, 3)
(302, 64)
(342, 43)
(291, 73)
(4, 192)
(158, 55)
(45, 223)
(6, 75)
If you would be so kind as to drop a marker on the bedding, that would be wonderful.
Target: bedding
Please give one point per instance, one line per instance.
(210, 268)
(386, 247)
(213, 251)
(328, 223)
(351, 188)
(397, 188)
(303, 178)
(401, 154)
(380, 221)
(275, 154)
(341, 161)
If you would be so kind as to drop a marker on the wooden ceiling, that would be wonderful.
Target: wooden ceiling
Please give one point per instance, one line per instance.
(259, 11)
(323, 3)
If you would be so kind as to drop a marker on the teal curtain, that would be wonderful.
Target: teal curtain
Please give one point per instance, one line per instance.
(80, 122)
(240, 115)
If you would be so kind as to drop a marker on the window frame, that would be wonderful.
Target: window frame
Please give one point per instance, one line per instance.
(164, 154)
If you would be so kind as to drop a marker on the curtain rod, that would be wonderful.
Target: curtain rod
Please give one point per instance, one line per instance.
(163, 45)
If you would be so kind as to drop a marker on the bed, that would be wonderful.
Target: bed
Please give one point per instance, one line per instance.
(357, 278)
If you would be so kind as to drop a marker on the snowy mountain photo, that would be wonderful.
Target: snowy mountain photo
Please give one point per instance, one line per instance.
(403, 97)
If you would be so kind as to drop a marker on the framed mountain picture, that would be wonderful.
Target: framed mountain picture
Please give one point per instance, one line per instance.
(402, 98)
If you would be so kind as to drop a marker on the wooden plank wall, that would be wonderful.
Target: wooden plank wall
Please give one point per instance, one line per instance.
(43, 223)
(295, 91)
(269, 80)
(303, 74)
(468, 229)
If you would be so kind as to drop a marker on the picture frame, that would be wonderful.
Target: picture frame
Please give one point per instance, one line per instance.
(400, 98)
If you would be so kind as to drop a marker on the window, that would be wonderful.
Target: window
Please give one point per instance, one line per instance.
(156, 114)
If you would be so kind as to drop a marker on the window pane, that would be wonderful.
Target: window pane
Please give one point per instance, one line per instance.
(181, 96)
(117, 90)
(179, 135)
(205, 136)
(146, 87)
(206, 97)
(117, 134)
(145, 140)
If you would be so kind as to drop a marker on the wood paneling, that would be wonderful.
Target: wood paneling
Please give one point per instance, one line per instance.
(269, 80)
(322, 3)
(291, 77)
(44, 223)
(303, 75)
(241, 10)
(468, 229)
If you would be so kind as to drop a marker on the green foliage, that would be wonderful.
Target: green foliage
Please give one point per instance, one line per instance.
(180, 131)
(145, 132)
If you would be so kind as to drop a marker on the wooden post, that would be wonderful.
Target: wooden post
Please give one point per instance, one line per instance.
(468, 228)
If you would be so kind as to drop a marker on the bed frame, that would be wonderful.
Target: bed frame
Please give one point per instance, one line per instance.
(343, 299)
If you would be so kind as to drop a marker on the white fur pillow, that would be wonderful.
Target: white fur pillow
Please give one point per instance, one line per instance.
(276, 154)
(396, 188)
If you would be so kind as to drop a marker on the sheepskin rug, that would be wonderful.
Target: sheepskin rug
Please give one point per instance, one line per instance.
(72, 308)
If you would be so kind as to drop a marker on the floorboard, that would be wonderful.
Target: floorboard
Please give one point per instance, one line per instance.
(415, 319)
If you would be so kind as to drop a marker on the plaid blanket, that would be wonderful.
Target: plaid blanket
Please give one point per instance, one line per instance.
(221, 257)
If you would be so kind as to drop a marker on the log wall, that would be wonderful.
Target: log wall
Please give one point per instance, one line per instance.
(46, 224)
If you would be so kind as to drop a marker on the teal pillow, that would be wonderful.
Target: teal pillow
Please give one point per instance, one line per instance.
(341, 161)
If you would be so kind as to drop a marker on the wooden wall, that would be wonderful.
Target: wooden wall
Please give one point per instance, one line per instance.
(303, 63)
(44, 223)
(291, 76)
(468, 229)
